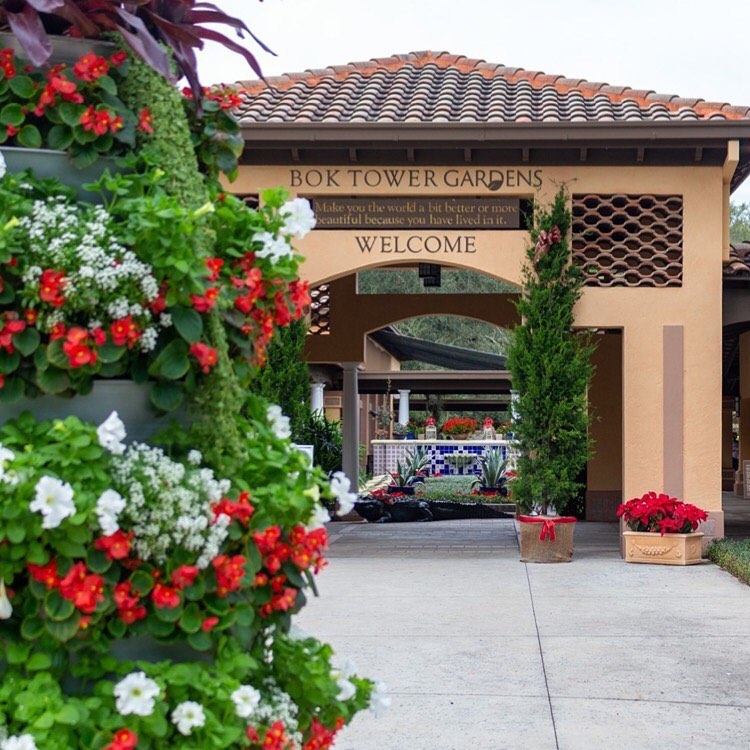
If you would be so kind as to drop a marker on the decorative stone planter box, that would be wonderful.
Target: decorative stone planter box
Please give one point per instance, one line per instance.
(546, 539)
(130, 400)
(47, 163)
(670, 549)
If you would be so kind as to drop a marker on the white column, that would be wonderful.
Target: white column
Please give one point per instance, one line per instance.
(350, 423)
(316, 397)
(403, 406)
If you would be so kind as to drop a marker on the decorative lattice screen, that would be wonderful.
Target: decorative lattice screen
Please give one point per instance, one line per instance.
(628, 240)
(320, 311)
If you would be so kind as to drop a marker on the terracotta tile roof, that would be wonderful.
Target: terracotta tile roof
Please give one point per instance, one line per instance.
(440, 87)
(738, 265)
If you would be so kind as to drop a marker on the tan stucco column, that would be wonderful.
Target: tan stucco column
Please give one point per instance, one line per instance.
(350, 422)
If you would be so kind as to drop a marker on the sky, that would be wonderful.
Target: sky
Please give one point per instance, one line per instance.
(695, 48)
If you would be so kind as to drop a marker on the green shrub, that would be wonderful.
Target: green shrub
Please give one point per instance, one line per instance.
(733, 555)
(325, 437)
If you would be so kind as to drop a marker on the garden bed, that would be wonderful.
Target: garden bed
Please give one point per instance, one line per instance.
(733, 555)
(458, 489)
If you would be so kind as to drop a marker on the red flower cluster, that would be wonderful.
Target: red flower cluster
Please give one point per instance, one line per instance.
(125, 332)
(207, 356)
(117, 546)
(165, 597)
(274, 738)
(6, 62)
(184, 576)
(10, 329)
(51, 285)
(204, 303)
(78, 346)
(241, 509)
(80, 585)
(661, 513)
(46, 574)
(459, 426)
(100, 121)
(129, 609)
(90, 67)
(145, 121)
(229, 573)
(322, 738)
(58, 86)
(123, 740)
(226, 97)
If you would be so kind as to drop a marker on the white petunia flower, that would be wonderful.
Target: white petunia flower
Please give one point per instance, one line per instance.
(188, 716)
(108, 507)
(273, 248)
(346, 688)
(279, 423)
(379, 699)
(54, 500)
(111, 433)
(246, 699)
(6, 456)
(340, 486)
(6, 608)
(3, 167)
(19, 742)
(299, 218)
(319, 518)
(136, 694)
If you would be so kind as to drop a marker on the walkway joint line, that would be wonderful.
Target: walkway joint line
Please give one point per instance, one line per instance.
(541, 656)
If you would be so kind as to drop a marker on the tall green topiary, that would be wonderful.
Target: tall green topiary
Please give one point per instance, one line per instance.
(551, 369)
(285, 378)
(218, 397)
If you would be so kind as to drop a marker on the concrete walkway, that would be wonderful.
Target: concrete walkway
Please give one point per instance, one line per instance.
(482, 652)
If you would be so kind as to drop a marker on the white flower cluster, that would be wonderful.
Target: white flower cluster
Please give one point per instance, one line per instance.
(7, 475)
(298, 216)
(279, 423)
(274, 705)
(347, 689)
(169, 506)
(54, 500)
(273, 247)
(19, 742)
(102, 278)
(340, 487)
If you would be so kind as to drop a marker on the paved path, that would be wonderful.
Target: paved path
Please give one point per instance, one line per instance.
(482, 652)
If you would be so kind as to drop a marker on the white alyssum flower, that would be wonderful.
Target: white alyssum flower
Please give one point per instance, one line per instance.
(111, 433)
(340, 487)
(246, 699)
(194, 457)
(379, 699)
(6, 608)
(108, 508)
(298, 216)
(188, 716)
(54, 500)
(279, 423)
(276, 705)
(19, 742)
(136, 694)
(319, 518)
(273, 248)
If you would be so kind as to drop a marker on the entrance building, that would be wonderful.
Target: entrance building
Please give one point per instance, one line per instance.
(433, 159)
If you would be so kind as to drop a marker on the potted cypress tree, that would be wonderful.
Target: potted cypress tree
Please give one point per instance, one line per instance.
(551, 370)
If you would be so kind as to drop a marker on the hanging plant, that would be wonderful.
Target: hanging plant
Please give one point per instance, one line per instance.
(551, 369)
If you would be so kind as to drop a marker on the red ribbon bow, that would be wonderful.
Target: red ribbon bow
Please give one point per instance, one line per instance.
(548, 530)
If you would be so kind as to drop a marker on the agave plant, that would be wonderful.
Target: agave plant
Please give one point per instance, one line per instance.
(493, 472)
(407, 473)
(144, 25)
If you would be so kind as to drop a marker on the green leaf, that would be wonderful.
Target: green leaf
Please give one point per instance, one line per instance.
(32, 628)
(70, 549)
(7, 295)
(9, 362)
(200, 641)
(172, 363)
(166, 396)
(117, 627)
(16, 532)
(27, 341)
(188, 322)
(12, 114)
(106, 83)
(38, 661)
(70, 113)
(60, 137)
(111, 353)
(169, 614)
(17, 653)
(12, 390)
(160, 628)
(22, 87)
(57, 608)
(62, 631)
(68, 714)
(97, 561)
(142, 582)
(30, 136)
(56, 355)
(191, 619)
(53, 380)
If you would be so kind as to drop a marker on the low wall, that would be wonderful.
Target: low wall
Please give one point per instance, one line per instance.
(386, 453)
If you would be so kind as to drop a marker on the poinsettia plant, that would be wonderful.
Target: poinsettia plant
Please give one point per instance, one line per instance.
(459, 426)
(661, 513)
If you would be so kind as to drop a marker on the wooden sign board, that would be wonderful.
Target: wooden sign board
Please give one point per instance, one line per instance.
(417, 213)
(746, 479)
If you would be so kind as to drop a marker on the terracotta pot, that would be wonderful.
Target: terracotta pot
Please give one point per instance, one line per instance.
(546, 539)
(670, 549)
